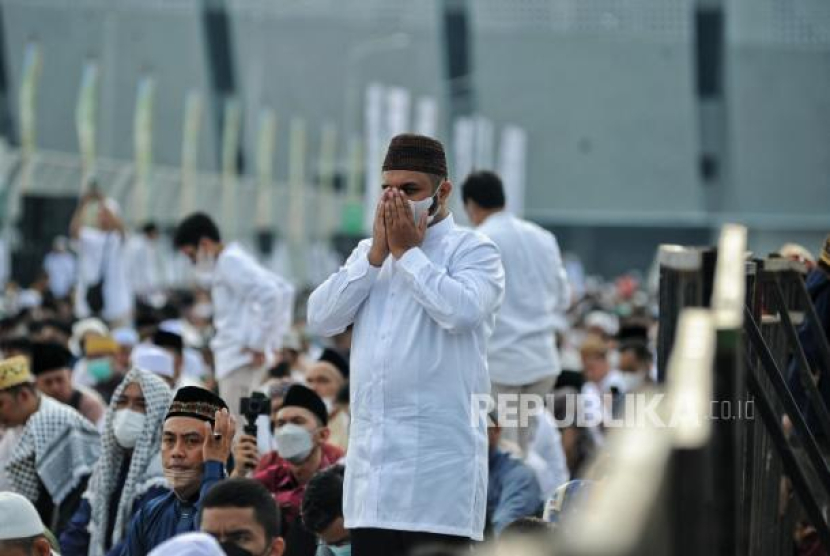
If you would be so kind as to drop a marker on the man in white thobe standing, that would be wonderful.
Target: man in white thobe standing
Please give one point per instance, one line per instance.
(522, 353)
(252, 307)
(422, 295)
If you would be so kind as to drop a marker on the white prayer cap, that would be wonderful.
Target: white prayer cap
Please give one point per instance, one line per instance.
(606, 322)
(29, 299)
(292, 340)
(148, 357)
(125, 336)
(189, 544)
(180, 328)
(173, 326)
(18, 518)
(85, 326)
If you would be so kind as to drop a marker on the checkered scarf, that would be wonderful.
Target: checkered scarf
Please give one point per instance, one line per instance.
(58, 449)
(145, 470)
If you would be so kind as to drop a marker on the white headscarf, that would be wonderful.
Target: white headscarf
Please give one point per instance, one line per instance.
(189, 544)
(145, 467)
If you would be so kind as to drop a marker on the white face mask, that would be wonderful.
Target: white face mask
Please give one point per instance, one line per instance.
(127, 427)
(184, 483)
(329, 403)
(293, 443)
(204, 267)
(421, 207)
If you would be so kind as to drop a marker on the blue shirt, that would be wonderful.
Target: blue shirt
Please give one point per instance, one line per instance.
(512, 490)
(74, 540)
(166, 516)
(818, 287)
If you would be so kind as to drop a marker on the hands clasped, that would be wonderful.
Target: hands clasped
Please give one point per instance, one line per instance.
(395, 230)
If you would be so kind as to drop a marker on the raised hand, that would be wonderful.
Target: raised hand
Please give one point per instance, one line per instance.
(219, 439)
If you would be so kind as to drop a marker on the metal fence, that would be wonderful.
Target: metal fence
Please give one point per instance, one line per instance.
(738, 480)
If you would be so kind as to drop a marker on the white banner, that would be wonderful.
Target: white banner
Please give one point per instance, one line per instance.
(397, 112)
(28, 97)
(463, 142)
(375, 134)
(426, 116)
(143, 145)
(513, 167)
(484, 144)
(296, 198)
(86, 113)
(190, 149)
(265, 146)
(231, 131)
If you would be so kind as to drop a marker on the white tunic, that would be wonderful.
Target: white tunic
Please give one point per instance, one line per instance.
(416, 461)
(522, 349)
(252, 309)
(101, 255)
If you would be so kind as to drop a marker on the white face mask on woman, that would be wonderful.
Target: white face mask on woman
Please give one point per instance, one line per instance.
(127, 427)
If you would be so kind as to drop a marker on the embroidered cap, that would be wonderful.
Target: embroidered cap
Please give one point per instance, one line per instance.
(192, 401)
(14, 371)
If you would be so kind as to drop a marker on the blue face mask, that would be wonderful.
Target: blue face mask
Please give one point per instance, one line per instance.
(100, 369)
(344, 550)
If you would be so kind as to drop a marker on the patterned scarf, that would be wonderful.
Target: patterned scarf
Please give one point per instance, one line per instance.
(58, 448)
(145, 471)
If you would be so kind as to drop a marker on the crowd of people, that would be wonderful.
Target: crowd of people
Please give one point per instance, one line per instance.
(137, 419)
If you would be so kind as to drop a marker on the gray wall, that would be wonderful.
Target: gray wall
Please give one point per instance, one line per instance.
(605, 90)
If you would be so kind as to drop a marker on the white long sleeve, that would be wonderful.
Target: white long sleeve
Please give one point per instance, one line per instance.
(249, 309)
(333, 305)
(418, 363)
(460, 301)
(562, 287)
(522, 349)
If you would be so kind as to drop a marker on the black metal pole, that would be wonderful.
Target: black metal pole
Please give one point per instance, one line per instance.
(777, 379)
(791, 465)
(816, 401)
(815, 323)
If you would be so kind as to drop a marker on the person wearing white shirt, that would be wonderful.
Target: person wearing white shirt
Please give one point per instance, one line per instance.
(146, 265)
(99, 232)
(604, 388)
(61, 267)
(422, 294)
(522, 353)
(252, 307)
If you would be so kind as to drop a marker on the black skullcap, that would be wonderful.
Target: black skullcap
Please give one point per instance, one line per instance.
(20, 344)
(192, 401)
(165, 339)
(340, 363)
(302, 396)
(417, 153)
(146, 320)
(633, 330)
(57, 324)
(49, 356)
